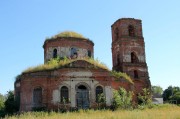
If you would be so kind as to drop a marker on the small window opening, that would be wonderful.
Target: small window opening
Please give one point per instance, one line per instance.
(131, 30)
(64, 94)
(55, 53)
(136, 74)
(89, 53)
(74, 53)
(134, 58)
(99, 90)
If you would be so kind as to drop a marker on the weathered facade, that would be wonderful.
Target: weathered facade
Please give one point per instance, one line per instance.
(69, 47)
(128, 51)
(78, 83)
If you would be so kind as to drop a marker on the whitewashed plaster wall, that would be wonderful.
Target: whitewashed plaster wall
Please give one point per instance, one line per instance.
(90, 84)
(66, 52)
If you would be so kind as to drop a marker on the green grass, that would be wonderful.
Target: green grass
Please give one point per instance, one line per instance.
(69, 34)
(123, 75)
(55, 64)
(158, 112)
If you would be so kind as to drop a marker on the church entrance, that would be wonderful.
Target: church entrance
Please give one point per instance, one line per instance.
(82, 97)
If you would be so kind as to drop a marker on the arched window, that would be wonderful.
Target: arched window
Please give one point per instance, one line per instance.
(134, 58)
(131, 30)
(116, 33)
(89, 53)
(37, 96)
(74, 53)
(136, 74)
(64, 94)
(99, 90)
(55, 53)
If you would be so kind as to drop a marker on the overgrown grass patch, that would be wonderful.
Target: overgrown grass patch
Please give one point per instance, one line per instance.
(157, 112)
(59, 63)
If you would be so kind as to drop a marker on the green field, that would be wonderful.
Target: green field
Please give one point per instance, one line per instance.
(157, 112)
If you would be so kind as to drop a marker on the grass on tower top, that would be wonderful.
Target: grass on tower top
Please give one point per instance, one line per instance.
(67, 34)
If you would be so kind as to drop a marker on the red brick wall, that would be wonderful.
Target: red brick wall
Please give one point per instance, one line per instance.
(123, 45)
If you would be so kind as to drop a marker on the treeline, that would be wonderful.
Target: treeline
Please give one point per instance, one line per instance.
(170, 95)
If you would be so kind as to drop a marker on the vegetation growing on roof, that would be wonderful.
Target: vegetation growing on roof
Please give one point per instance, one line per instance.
(67, 34)
(122, 75)
(58, 63)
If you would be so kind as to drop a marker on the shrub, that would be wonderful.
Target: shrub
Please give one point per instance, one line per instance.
(101, 100)
(145, 97)
(123, 75)
(122, 99)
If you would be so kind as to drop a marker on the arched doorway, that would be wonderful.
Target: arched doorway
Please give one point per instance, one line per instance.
(82, 97)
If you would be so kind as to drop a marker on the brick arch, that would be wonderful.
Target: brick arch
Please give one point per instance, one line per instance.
(37, 86)
(69, 90)
(134, 57)
(64, 84)
(96, 91)
(99, 85)
(84, 84)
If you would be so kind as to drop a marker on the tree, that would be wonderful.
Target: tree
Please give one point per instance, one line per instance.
(2, 100)
(172, 94)
(11, 105)
(176, 97)
(167, 93)
(157, 90)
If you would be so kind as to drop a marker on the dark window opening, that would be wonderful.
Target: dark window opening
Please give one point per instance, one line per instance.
(89, 53)
(55, 53)
(131, 30)
(99, 90)
(37, 96)
(136, 74)
(134, 58)
(74, 53)
(82, 87)
(118, 60)
(64, 94)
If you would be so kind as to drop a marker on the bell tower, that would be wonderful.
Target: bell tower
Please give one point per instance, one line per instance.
(128, 51)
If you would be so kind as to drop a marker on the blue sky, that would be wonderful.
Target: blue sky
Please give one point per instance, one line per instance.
(24, 25)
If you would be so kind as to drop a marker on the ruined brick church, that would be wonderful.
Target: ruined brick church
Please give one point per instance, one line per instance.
(79, 82)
